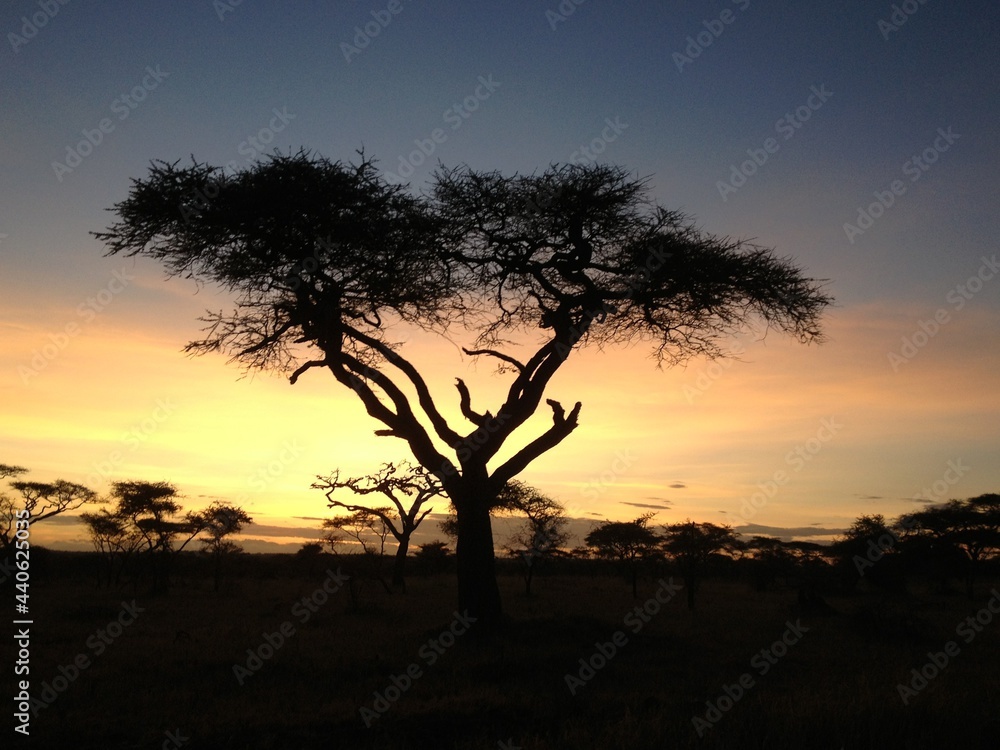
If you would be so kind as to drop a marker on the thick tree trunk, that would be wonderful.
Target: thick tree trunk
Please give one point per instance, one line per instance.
(478, 592)
(399, 565)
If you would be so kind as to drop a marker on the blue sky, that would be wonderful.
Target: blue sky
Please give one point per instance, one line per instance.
(213, 80)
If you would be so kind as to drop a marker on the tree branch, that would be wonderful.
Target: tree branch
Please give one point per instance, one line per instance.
(465, 403)
(499, 355)
(424, 398)
(562, 426)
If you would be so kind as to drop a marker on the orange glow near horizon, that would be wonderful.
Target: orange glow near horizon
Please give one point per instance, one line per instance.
(121, 402)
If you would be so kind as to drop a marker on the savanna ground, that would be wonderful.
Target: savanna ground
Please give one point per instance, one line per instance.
(168, 679)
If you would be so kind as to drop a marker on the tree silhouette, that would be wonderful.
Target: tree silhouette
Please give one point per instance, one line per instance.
(219, 521)
(367, 530)
(41, 500)
(147, 511)
(434, 557)
(971, 525)
(416, 484)
(114, 541)
(692, 545)
(630, 542)
(326, 259)
(541, 535)
(870, 549)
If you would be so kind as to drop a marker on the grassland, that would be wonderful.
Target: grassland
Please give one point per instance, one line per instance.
(167, 679)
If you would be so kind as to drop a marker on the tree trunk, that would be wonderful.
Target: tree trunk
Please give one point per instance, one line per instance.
(399, 564)
(478, 592)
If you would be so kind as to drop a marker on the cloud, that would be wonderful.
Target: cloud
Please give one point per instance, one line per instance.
(783, 533)
(662, 506)
(677, 486)
(257, 529)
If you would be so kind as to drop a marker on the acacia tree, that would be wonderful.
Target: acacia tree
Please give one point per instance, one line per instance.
(543, 532)
(219, 521)
(147, 511)
(630, 542)
(113, 541)
(41, 500)
(870, 548)
(368, 531)
(971, 525)
(396, 482)
(692, 545)
(326, 259)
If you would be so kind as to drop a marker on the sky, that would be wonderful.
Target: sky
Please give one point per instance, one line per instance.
(857, 138)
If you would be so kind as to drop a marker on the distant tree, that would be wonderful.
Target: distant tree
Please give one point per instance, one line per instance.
(147, 511)
(8, 470)
(542, 533)
(218, 522)
(870, 549)
(308, 555)
(692, 545)
(971, 526)
(41, 500)
(326, 260)
(629, 542)
(366, 532)
(434, 557)
(114, 542)
(449, 526)
(409, 488)
(767, 559)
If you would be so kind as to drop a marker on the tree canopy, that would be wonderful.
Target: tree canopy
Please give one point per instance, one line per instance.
(325, 260)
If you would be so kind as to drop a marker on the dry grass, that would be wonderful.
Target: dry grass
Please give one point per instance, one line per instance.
(836, 687)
